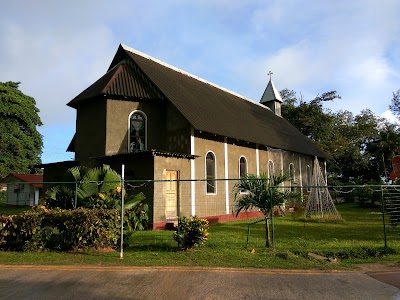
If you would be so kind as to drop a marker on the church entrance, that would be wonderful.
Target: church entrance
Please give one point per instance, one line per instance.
(171, 194)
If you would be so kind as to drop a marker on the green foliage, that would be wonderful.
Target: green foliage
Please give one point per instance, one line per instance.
(57, 229)
(99, 188)
(136, 213)
(260, 192)
(191, 232)
(357, 145)
(395, 103)
(20, 142)
(360, 252)
(226, 246)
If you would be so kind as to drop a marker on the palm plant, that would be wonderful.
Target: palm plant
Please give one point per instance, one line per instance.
(262, 193)
(98, 188)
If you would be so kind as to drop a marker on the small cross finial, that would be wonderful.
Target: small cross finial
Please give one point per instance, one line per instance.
(270, 73)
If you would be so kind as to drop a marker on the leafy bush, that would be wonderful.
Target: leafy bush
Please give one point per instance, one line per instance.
(57, 229)
(191, 232)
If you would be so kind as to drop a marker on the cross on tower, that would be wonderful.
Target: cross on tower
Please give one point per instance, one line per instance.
(270, 73)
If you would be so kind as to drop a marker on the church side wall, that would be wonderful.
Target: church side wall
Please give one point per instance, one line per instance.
(90, 131)
(215, 204)
(209, 204)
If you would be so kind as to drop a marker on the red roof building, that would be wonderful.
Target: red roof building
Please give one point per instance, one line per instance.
(23, 189)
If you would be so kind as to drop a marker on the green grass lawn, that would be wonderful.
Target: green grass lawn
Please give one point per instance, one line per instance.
(356, 240)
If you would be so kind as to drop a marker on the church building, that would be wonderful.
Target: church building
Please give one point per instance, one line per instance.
(163, 123)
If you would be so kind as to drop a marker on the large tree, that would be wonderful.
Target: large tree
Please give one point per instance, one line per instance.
(20, 142)
(395, 105)
(346, 138)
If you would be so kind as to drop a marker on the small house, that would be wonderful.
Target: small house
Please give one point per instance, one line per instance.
(23, 189)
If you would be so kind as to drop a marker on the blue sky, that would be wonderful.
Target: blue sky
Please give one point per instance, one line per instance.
(56, 49)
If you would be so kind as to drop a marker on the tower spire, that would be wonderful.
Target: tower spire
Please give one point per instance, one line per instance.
(271, 97)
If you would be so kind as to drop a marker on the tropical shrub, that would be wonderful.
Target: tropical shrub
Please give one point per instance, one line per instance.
(261, 193)
(57, 229)
(191, 232)
(84, 187)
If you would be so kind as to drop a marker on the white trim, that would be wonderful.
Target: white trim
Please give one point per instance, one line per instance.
(215, 171)
(226, 176)
(127, 48)
(129, 129)
(192, 174)
(257, 161)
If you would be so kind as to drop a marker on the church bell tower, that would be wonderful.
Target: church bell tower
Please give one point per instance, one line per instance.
(271, 97)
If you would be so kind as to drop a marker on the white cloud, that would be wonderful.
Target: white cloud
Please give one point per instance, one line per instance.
(57, 49)
(387, 114)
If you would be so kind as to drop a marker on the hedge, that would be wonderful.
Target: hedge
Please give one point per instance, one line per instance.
(57, 229)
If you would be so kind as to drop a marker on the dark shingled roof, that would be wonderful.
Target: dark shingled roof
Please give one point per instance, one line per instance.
(206, 106)
(124, 81)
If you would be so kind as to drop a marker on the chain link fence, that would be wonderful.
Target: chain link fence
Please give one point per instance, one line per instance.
(214, 199)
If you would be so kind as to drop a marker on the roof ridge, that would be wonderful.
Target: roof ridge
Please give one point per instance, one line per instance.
(135, 51)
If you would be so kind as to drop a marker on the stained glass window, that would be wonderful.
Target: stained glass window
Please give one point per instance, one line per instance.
(137, 132)
(210, 173)
(242, 167)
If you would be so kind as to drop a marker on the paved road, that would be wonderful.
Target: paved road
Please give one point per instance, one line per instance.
(183, 283)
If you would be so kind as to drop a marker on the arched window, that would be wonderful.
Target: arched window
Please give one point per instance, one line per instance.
(242, 167)
(292, 177)
(271, 171)
(210, 173)
(137, 132)
(308, 178)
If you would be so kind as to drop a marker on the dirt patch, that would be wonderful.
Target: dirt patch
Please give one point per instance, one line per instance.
(377, 267)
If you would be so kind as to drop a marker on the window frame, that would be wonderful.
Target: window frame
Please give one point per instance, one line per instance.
(215, 173)
(245, 166)
(246, 172)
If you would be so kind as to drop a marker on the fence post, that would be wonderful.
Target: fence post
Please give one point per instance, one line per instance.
(121, 254)
(178, 198)
(178, 204)
(383, 216)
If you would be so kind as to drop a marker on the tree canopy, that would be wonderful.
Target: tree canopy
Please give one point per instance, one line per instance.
(395, 104)
(20, 142)
(360, 147)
